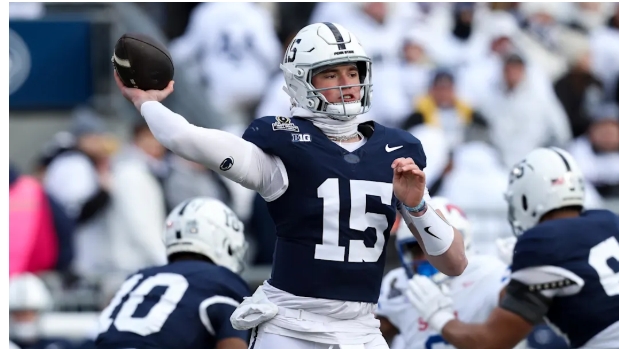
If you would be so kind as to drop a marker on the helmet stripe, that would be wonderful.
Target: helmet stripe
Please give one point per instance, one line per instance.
(567, 165)
(338, 36)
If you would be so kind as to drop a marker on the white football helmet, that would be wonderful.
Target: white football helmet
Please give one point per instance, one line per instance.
(28, 295)
(28, 292)
(207, 227)
(319, 45)
(547, 179)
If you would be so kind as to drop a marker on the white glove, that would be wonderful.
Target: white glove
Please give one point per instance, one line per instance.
(431, 303)
(506, 248)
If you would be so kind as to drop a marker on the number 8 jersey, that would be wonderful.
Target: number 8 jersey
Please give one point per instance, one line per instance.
(182, 305)
(334, 215)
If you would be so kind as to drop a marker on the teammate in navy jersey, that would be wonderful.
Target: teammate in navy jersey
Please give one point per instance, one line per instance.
(333, 186)
(187, 303)
(565, 265)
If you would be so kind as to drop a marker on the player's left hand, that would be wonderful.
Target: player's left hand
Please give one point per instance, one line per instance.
(431, 302)
(409, 181)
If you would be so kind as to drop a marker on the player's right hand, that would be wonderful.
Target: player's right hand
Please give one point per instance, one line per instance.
(432, 303)
(139, 97)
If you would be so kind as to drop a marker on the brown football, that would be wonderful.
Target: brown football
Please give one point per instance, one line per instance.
(142, 62)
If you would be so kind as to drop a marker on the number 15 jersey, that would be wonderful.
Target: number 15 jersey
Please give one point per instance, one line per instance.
(334, 218)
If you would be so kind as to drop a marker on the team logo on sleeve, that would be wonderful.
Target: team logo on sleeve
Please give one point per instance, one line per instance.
(283, 123)
(226, 164)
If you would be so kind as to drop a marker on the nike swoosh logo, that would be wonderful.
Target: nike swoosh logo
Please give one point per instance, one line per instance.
(427, 230)
(389, 150)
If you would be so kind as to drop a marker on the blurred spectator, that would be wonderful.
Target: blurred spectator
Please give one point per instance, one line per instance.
(587, 16)
(138, 209)
(544, 39)
(501, 32)
(189, 179)
(236, 50)
(64, 226)
(33, 243)
(597, 152)
(464, 41)
(417, 66)
(75, 170)
(441, 108)
(604, 53)
(522, 116)
(578, 89)
(29, 298)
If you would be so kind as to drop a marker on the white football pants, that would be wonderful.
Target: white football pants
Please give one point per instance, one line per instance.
(263, 340)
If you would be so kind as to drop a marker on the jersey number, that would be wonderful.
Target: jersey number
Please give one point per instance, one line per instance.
(599, 258)
(175, 284)
(360, 220)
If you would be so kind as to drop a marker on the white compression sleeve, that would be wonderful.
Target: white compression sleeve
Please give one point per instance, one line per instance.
(436, 234)
(252, 168)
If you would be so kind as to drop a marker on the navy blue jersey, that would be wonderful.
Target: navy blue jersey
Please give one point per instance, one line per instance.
(334, 219)
(587, 246)
(182, 305)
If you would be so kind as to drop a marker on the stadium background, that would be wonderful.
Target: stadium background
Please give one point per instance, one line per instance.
(479, 84)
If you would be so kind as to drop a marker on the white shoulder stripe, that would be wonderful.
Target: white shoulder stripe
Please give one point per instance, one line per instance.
(207, 303)
(552, 280)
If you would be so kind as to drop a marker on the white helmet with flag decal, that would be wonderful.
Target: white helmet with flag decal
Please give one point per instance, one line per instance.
(207, 227)
(546, 179)
(318, 46)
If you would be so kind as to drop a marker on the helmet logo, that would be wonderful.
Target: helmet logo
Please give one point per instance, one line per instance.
(192, 227)
(290, 58)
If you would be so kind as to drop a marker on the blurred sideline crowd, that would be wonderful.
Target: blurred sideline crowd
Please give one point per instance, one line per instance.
(480, 85)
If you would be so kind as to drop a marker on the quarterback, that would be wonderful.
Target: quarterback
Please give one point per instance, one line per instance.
(333, 186)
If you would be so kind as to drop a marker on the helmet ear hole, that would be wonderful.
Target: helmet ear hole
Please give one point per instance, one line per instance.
(525, 205)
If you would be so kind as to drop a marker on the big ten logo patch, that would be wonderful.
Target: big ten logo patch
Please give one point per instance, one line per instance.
(297, 137)
(283, 123)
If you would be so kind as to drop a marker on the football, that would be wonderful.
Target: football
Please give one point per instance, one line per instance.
(142, 62)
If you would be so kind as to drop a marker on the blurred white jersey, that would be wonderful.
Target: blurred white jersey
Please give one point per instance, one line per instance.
(475, 294)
